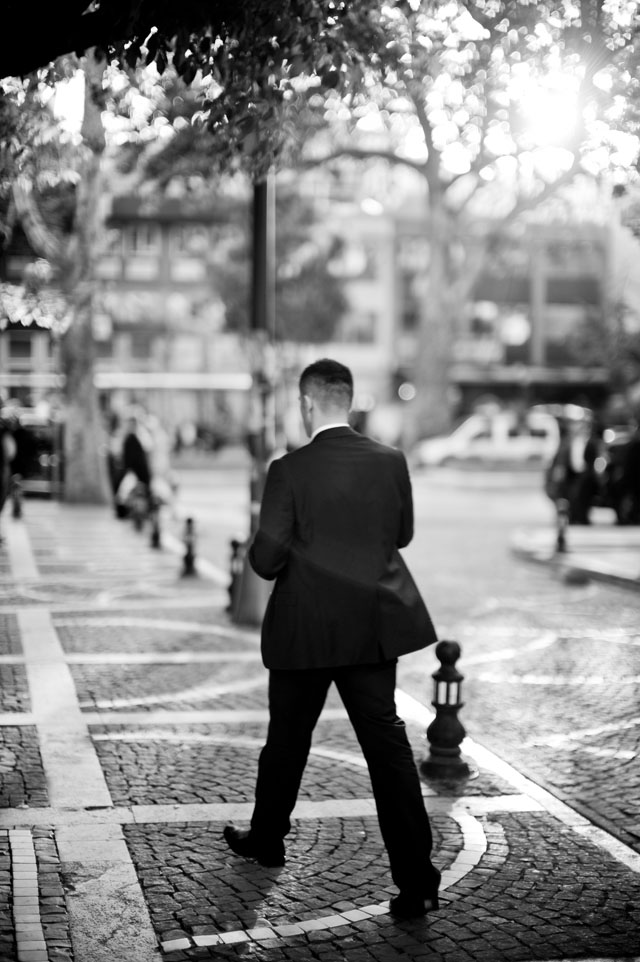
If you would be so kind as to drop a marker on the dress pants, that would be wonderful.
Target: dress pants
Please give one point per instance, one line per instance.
(296, 698)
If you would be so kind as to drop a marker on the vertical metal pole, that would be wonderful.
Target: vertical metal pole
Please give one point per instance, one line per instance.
(250, 593)
(262, 327)
(538, 302)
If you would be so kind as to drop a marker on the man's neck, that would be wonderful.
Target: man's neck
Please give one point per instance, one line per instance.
(340, 421)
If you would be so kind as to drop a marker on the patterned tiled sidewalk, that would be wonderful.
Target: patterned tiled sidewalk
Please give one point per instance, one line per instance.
(131, 717)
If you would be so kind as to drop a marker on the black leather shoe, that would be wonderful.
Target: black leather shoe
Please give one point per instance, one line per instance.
(271, 855)
(411, 905)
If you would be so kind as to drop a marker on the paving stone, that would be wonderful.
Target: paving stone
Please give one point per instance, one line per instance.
(228, 873)
(10, 643)
(139, 633)
(170, 687)
(14, 691)
(186, 772)
(597, 640)
(22, 779)
(538, 889)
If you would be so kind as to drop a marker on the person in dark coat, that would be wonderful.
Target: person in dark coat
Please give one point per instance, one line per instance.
(7, 454)
(134, 456)
(344, 607)
(134, 489)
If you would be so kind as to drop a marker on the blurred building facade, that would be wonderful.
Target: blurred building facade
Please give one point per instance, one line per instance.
(525, 334)
(160, 322)
(29, 362)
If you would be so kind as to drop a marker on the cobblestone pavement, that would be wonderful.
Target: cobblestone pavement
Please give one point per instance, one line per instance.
(131, 718)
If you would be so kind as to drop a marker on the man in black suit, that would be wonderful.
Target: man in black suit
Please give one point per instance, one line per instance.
(344, 607)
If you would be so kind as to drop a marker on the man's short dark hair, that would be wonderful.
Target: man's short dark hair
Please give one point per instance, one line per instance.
(330, 381)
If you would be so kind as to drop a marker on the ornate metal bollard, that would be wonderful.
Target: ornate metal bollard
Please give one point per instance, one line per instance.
(236, 564)
(189, 538)
(446, 732)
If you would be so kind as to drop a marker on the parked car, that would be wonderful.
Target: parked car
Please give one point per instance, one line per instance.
(610, 471)
(38, 464)
(502, 438)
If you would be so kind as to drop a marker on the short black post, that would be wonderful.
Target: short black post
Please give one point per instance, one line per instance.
(16, 497)
(154, 516)
(446, 732)
(236, 564)
(189, 561)
(139, 506)
(562, 523)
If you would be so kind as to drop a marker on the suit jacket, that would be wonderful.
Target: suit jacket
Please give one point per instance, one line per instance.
(334, 514)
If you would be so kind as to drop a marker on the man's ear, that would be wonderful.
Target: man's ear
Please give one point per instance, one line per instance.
(307, 403)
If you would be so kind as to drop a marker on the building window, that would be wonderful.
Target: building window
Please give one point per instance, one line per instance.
(142, 344)
(104, 349)
(143, 238)
(569, 338)
(190, 239)
(19, 345)
(113, 241)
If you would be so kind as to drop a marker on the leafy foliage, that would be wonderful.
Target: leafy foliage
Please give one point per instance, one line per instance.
(479, 94)
(497, 105)
(247, 56)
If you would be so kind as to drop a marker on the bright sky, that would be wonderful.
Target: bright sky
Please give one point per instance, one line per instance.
(68, 105)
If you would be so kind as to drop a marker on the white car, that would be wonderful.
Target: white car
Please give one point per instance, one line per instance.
(501, 438)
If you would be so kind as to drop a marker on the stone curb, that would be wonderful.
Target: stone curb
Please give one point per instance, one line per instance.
(568, 565)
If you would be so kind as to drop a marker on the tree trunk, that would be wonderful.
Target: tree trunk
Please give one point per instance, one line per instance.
(85, 470)
(431, 411)
(85, 477)
(85, 463)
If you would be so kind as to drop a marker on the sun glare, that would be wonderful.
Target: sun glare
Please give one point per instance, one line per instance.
(68, 106)
(549, 108)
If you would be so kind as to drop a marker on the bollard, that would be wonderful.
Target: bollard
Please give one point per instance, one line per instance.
(154, 517)
(139, 506)
(16, 497)
(562, 523)
(189, 561)
(236, 564)
(446, 732)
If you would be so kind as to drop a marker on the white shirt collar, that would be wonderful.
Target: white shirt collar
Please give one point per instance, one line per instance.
(327, 427)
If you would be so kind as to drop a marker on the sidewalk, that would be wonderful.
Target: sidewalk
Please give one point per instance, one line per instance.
(132, 713)
(605, 552)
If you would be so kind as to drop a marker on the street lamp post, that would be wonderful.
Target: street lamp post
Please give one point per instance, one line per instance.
(247, 607)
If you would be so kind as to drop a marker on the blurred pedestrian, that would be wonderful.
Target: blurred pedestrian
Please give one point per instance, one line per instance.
(344, 607)
(558, 475)
(566, 470)
(586, 446)
(7, 454)
(159, 453)
(115, 462)
(136, 478)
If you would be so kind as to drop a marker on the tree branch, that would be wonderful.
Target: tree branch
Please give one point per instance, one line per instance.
(528, 203)
(363, 153)
(43, 241)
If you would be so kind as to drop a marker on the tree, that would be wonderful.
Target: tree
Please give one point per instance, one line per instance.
(249, 53)
(41, 158)
(495, 107)
(244, 58)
